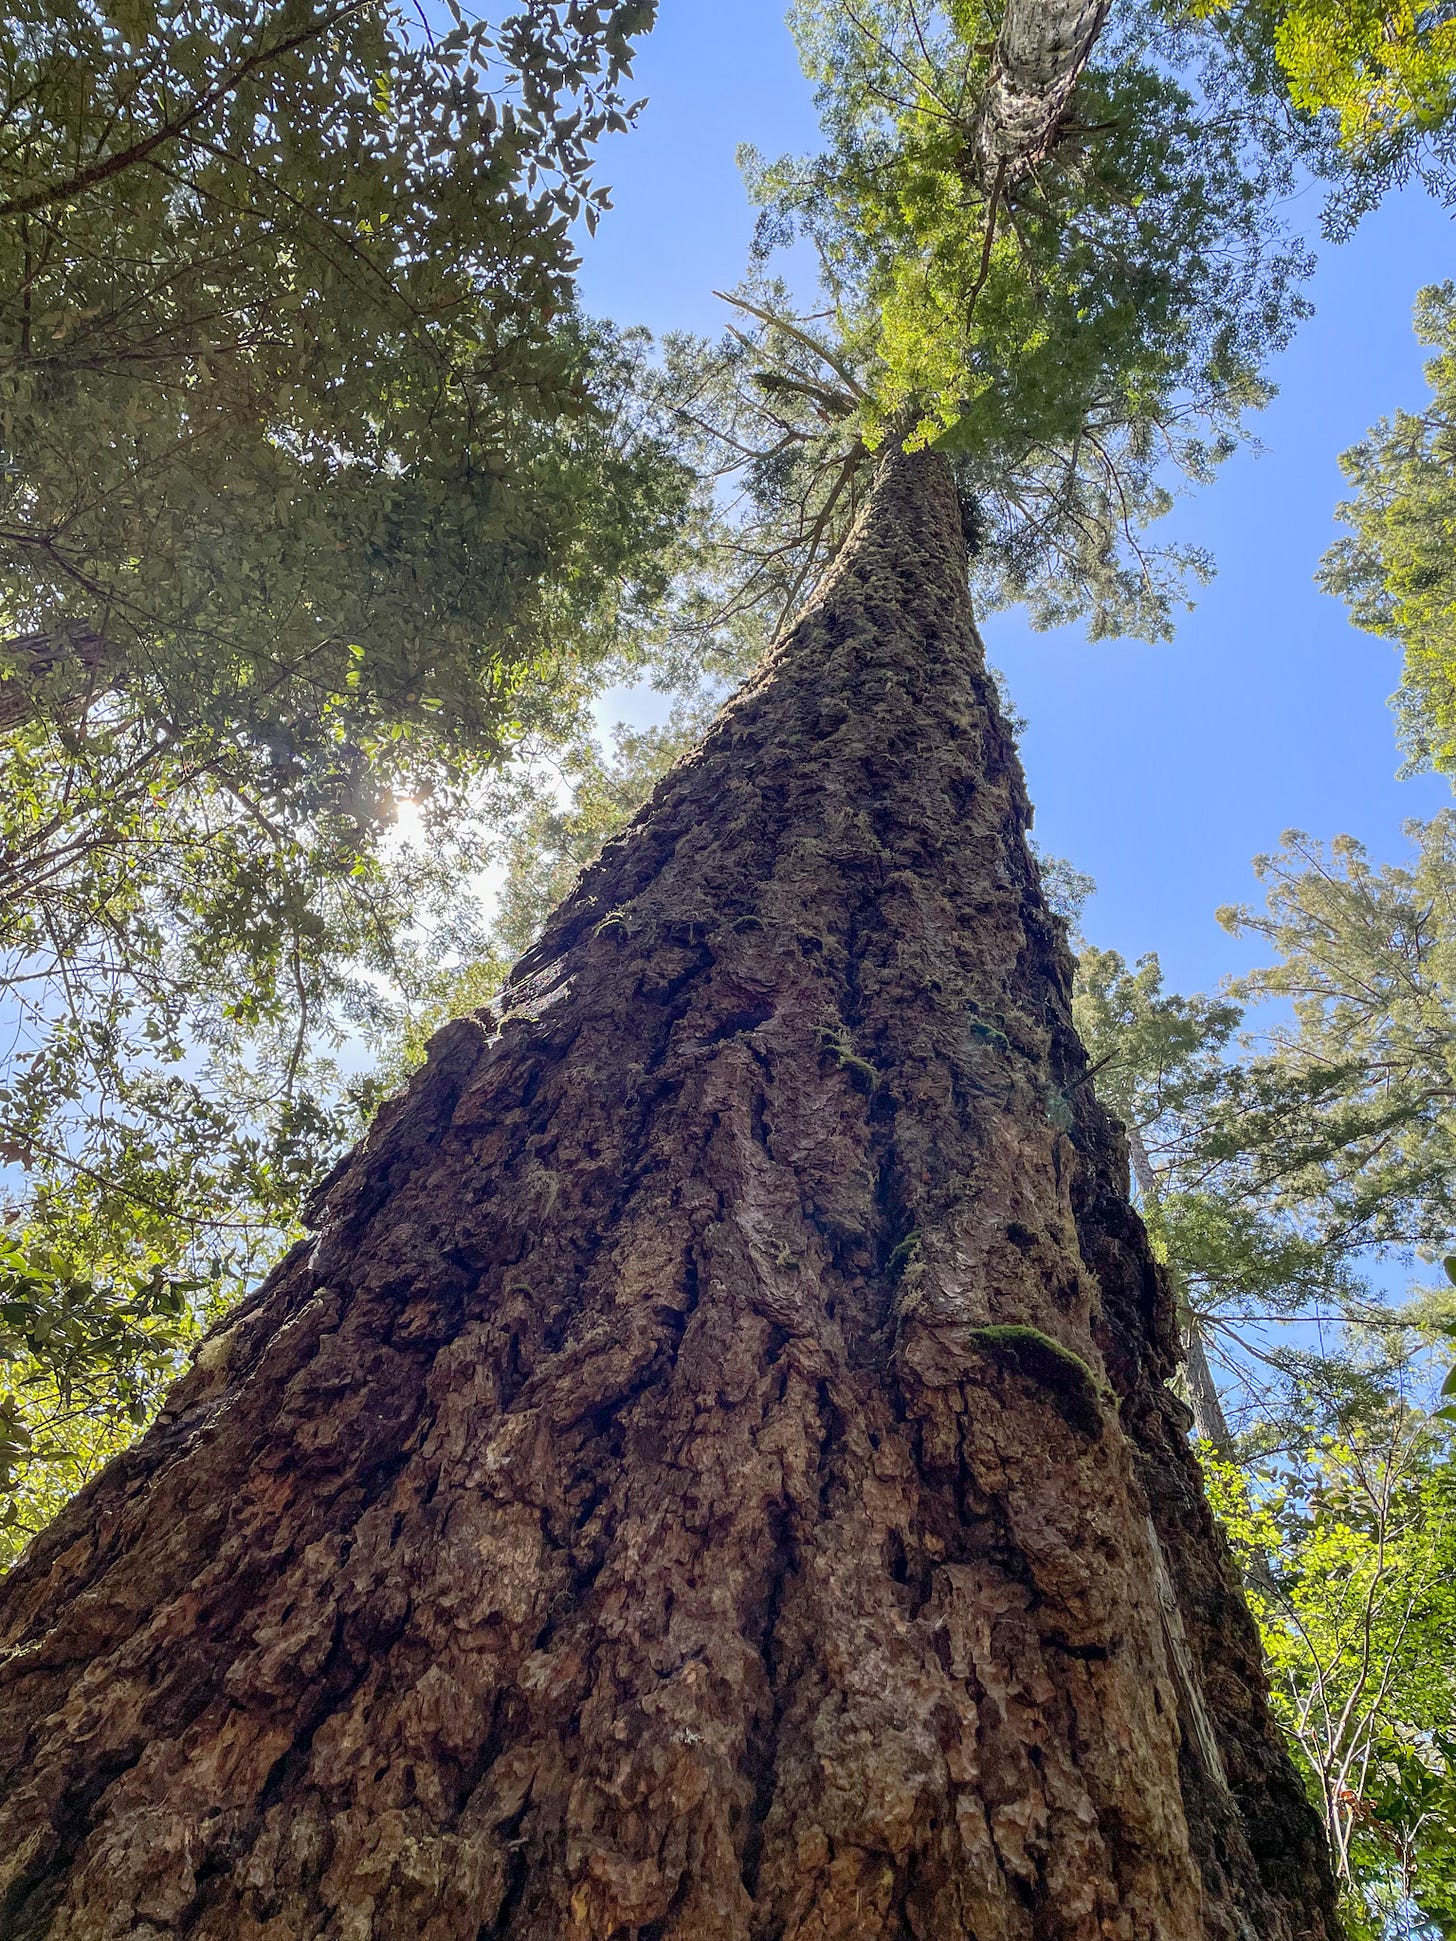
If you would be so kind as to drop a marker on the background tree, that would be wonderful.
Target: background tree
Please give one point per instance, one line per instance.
(1272, 1179)
(1272, 1172)
(1365, 88)
(1350, 1107)
(316, 494)
(1347, 1538)
(291, 434)
(1395, 568)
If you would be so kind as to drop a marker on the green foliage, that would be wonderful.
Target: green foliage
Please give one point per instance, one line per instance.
(1269, 1168)
(1355, 1525)
(296, 416)
(1239, 1258)
(173, 992)
(1158, 1056)
(317, 497)
(1072, 339)
(63, 1333)
(65, 1441)
(1396, 571)
(1370, 84)
(1350, 1108)
(1385, 70)
(1068, 312)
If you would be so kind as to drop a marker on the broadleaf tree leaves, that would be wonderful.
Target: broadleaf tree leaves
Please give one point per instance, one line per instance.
(317, 493)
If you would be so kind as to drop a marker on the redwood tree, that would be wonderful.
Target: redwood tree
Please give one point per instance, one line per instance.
(713, 1474)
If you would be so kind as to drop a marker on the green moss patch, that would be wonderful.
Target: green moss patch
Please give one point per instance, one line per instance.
(1073, 1387)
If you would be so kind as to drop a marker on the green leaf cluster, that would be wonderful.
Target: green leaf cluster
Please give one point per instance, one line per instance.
(1168, 1066)
(1395, 569)
(75, 1355)
(1071, 309)
(317, 496)
(1075, 338)
(295, 412)
(1350, 1106)
(1355, 1530)
(1369, 87)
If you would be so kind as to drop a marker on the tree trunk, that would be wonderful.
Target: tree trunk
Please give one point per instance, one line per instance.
(1036, 62)
(35, 659)
(1210, 1424)
(711, 1478)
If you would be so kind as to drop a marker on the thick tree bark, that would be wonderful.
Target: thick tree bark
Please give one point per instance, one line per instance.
(1036, 61)
(712, 1477)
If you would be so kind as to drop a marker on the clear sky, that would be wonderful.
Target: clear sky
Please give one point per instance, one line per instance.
(1159, 770)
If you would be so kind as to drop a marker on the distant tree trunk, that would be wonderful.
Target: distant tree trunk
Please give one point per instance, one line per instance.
(1210, 1424)
(1036, 61)
(35, 659)
(711, 1478)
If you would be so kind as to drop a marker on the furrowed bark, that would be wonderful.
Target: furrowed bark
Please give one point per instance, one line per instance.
(1038, 57)
(712, 1478)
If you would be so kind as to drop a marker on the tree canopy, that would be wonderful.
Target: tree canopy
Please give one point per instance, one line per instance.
(1369, 87)
(318, 493)
(1079, 321)
(301, 437)
(1071, 332)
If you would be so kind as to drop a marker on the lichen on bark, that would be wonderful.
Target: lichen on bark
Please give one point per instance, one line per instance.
(613, 1526)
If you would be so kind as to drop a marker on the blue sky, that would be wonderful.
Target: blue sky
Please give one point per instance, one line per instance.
(1160, 770)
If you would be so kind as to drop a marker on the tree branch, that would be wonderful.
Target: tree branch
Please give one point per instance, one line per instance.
(125, 158)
